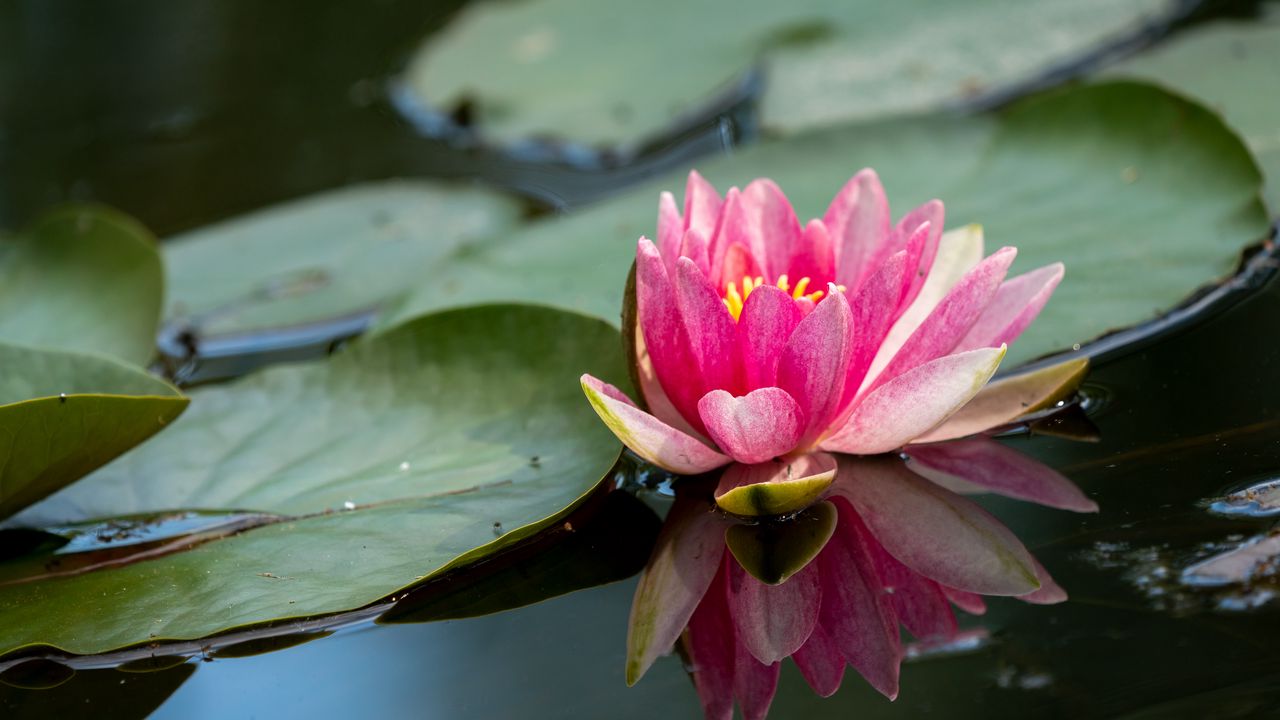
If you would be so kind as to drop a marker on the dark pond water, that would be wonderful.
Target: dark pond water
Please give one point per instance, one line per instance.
(227, 107)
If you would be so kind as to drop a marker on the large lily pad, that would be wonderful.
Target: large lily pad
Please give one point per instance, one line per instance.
(82, 278)
(594, 73)
(1231, 65)
(1144, 195)
(63, 415)
(323, 256)
(448, 439)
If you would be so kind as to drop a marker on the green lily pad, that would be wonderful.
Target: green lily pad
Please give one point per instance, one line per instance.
(426, 448)
(1231, 66)
(63, 415)
(1145, 196)
(324, 256)
(588, 72)
(82, 278)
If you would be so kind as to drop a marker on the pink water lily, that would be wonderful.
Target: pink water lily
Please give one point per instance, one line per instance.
(759, 339)
(902, 550)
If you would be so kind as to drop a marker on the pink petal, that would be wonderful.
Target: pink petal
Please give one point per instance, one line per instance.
(1050, 592)
(768, 318)
(711, 329)
(971, 603)
(718, 242)
(858, 220)
(820, 662)
(1005, 400)
(712, 653)
(934, 214)
(914, 402)
(660, 406)
(958, 252)
(933, 531)
(942, 330)
(773, 621)
(813, 256)
(759, 426)
(670, 230)
(685, 559)
(1016, 303)
(771, 226)
(737, 263)
(694, 247)
(646, 435)
(814, 362)
(701, 205)
(664, 334)
(1000, 469)
(873, 309)
(918, 602)
(855, 609)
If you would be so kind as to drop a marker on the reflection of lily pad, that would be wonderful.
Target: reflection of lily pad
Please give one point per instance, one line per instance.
(82, 278)
(324, 256)
(1231, 66)
(449, 438)
(1145, 197)
(63, 415)
(593, 72)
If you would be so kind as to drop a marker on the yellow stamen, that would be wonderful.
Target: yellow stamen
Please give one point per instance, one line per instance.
(734, 298)
(800, 288)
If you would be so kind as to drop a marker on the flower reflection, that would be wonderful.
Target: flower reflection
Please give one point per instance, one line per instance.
(887, 545)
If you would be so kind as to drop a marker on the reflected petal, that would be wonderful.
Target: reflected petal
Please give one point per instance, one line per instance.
(687, 555)
(934, 531)
(773, 621)
(1000, 469)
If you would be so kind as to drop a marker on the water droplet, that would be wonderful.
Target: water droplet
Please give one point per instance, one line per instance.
(404, 466)
(348, 505)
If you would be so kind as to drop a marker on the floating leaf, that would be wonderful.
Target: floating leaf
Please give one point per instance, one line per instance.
(449, 438)
(1113, 180)
(82, 278)
(588, 72)
(324, 256)
(63, 415)
(1231, 66)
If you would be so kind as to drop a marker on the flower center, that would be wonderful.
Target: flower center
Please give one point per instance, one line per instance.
(735, 298)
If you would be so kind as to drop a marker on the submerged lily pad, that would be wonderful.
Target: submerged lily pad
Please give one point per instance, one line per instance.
(324, 256)
(82, 278)
(588, 72)
(63, 415)
(1231, 66)
(422, 449)
(1144, 195)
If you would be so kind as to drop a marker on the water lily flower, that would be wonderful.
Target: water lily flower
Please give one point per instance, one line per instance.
(757, 338)
(887, 546)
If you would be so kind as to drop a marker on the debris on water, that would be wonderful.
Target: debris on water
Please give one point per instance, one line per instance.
(965, 641)
(348, 505)
(1258, 500)
(1232, 575)
(1257, 559)
(1011, 678)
